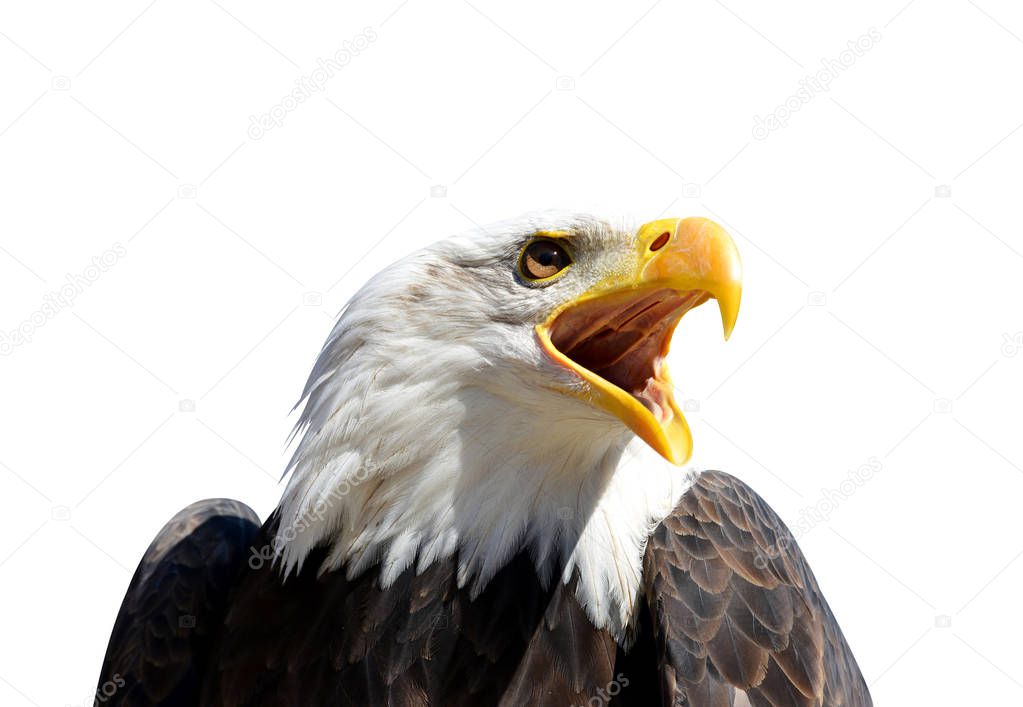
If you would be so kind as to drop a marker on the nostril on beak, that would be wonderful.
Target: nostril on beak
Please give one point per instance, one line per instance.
(660, 241)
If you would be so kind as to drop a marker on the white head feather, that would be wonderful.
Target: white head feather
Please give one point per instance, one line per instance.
(434, 425)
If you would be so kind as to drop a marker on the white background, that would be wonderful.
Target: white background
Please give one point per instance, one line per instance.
(880, 230)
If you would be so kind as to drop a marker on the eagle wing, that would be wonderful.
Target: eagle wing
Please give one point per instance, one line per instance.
(735, 608)
(174, 607)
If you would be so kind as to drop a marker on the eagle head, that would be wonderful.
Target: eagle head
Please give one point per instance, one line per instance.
(575, 307)
(481, 394)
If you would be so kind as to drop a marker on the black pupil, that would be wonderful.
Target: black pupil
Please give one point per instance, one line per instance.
(544, 259)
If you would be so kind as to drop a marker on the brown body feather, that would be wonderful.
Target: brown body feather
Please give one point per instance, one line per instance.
(722, 611)
(735, 606)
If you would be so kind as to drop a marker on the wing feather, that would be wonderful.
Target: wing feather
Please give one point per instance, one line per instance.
(175, 604)
(734, 606)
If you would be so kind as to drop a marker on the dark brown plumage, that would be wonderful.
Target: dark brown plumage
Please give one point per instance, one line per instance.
(725, 607)
(173, 610)
(734, 605)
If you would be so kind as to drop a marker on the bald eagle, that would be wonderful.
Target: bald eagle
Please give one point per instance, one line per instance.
(485, 507)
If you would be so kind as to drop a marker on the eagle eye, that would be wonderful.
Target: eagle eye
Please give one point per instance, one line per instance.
(543, 259)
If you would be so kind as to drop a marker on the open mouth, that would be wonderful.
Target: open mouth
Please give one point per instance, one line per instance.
(617, 342)
(616, 336)
(623, 338)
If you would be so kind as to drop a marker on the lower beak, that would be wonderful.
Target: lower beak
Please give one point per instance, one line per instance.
(617, 336)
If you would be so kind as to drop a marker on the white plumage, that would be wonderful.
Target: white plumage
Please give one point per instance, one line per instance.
(434, 424)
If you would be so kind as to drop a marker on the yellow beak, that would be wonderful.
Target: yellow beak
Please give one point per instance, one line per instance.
(616, 336)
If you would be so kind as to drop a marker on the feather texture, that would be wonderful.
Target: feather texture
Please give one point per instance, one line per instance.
(327, 639)
(252, 638)
(734, 608)
(172, 612)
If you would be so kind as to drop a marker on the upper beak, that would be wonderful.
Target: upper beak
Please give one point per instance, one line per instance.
(616, 336)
